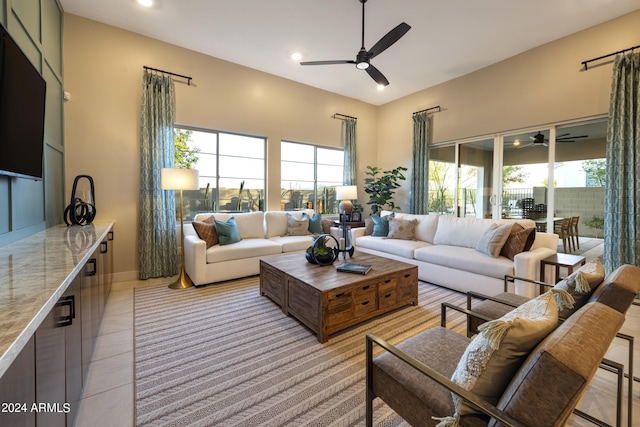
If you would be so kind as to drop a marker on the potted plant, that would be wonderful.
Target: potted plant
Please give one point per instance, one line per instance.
(597, 223)
(380, 186)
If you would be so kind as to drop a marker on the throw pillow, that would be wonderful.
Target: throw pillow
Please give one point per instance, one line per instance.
(297, 227)
(493, 239)
(368, 226)
(581, 285)
(380, 225)
(227, 231)
(402, 229)
(495, 354)
(517, 241)
(206, 230)
(315, 224)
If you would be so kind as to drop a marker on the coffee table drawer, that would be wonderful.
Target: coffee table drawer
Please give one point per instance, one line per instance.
(387, 293)
(366, 302)
(406, 286)
(272, 283)
(304, 302)
(339, 307)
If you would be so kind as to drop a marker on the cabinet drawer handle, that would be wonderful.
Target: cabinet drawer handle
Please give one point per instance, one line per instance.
(364, 288)
(407, 275)
(387, 281)
(365, 303)
(104, 247)
(69, 301)
(110, 235)
(387, 295)
(340, 295)
(93, 271)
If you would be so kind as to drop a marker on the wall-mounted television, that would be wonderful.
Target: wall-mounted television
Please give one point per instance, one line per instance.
(22, 104)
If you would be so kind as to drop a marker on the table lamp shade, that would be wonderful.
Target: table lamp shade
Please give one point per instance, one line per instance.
(347, 192)
(179, 179)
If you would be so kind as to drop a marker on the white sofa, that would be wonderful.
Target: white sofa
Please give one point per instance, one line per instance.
(444, 251)
(261, 233)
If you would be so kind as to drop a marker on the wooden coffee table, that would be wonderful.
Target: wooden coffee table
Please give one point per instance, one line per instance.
(328, 301)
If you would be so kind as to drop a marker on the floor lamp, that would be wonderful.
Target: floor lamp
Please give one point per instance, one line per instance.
(180, 179)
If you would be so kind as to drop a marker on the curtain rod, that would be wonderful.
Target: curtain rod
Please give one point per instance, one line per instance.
(170, 73)
(606, 56)
(343, 117)
(427, 109)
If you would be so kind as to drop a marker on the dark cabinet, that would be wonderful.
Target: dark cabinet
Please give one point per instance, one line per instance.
(18, 390)
(71, 321)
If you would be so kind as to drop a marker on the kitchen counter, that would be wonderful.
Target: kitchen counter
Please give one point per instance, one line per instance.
(34, 273)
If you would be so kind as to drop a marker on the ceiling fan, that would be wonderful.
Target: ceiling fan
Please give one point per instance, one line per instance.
(540, 141)
(364, 56)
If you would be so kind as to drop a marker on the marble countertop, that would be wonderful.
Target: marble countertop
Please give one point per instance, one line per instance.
(34, 273)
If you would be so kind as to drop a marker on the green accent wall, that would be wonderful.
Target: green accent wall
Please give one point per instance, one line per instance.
(28, 206)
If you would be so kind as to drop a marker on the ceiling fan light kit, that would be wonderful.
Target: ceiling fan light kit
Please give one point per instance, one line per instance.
(364, 56)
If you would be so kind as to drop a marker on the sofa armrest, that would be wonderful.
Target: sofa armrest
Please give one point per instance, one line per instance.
(469, 397)
(195, 258)
(527, 266)
(355, 233)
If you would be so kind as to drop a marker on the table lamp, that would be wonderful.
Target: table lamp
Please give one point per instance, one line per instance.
(180, 179)
(346, 193)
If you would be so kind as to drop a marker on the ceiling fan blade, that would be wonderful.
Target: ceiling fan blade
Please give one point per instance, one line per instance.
(526, 145)
(562, 136)
(390, 38)
(565, 138)
(344, 61)
(377, 75)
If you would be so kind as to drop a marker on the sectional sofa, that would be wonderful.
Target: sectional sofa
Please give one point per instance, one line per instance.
(445, 249)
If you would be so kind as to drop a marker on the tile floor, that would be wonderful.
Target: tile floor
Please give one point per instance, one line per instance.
(108, 398)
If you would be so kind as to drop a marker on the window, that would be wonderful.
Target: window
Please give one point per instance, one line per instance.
(309, 175)
(232, 170)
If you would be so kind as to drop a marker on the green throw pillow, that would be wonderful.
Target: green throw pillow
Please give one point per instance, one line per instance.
(315, 224)
(227, 232)
(380, 225)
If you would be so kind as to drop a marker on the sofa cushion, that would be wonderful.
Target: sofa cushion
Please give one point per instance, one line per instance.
(275, 222)
(402, 229)
(465, 259)
(495, 354)
(293, 243)
(206, 230)
(315, 223)
(227, 231)
(403, 248)
(246, 248)
(493, 239)
(250, 224)
(463, 232)
(381, 225)
(426, 227)
(520, 240)
(297, 226)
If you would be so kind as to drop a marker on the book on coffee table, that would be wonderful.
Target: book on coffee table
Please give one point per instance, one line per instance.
(354, 267)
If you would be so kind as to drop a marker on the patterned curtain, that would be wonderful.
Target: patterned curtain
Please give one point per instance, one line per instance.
(157, 216)
(622, 191)
(350, 161)
(419, 201)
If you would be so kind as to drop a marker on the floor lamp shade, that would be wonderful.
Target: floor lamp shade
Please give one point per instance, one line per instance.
(180, 179)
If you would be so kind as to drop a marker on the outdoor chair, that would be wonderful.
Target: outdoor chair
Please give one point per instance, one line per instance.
(561, 228)
(573, 231)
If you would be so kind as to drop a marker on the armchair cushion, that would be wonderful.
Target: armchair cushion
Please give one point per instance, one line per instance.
(496, 353)
(581, 285)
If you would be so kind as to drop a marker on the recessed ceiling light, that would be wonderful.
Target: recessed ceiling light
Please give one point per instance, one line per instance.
(380, 87)
(145, 3)
(296, 56)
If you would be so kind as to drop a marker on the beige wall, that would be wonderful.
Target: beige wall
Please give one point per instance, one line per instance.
(103, 69)
(538, 87)
(103, 74)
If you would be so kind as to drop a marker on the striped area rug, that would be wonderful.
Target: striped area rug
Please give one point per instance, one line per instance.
(224, 355)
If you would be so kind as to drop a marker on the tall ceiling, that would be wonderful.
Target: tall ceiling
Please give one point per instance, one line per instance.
(448, 38)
